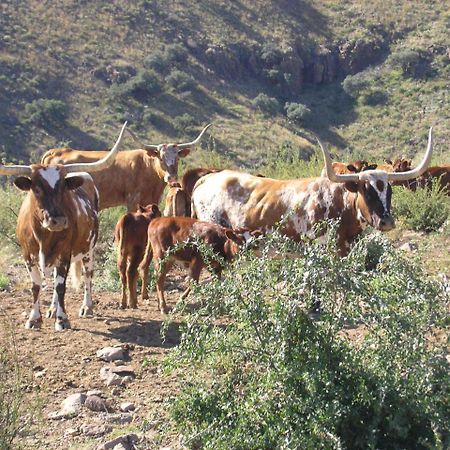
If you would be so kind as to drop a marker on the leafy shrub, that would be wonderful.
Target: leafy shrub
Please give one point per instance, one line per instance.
(422, 210)
(269, 106)
(409, 61)
(260, 372)
(296, 112)
(181, 81)
(353, 85)
(173, 55)
(271, 54)
(45, 112)
(141, 87)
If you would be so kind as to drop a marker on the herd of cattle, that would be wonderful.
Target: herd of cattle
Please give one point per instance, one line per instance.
(58, 221)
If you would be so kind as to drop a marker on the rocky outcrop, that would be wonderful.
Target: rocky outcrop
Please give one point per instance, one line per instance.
(288, 69)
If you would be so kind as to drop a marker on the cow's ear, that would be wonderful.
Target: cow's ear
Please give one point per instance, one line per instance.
(141, 209)
(23, 183)
(155, 210)
(371, 167)
(184, 152)
(388, 161)
(152, 153)
(352, 168)
(72, 183)
(351, 186)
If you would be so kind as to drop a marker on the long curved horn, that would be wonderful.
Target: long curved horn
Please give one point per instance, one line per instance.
(191, 144)
(140, 143)
(15, 170)
(419, 170)
(331, 174)
(100, 164)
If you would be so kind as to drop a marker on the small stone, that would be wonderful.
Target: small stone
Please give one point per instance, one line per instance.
(96, 403)
(121, 418)
(111, 353)
(95, 430)
(122, 370)
(71, 432)
(114, 380)
(127, 406)
(97, 392)
(126, 380)
(71, 406)
(116, 391)
(105, 372)
(408, 247)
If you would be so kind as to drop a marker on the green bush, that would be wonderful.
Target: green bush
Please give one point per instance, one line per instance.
(423, 209)
(296, 112)
(180, 81)
(141, 87)
(173, 55)
(259, 371)
(269, 106)
(184, 123)
(353, 85)
(46, 112)
(409, 61)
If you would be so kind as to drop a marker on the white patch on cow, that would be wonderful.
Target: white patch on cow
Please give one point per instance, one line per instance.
(42, 261)
(51, 175)
(35, 276)
(35, 313)
(372, 176)
(169, 154)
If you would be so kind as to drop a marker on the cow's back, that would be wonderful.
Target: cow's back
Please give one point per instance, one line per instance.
(234, 199)
(130, 180)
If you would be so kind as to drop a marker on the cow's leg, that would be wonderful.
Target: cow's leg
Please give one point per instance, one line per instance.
(132, 277)
(86, 309)
(35, 318)
(195, 268)
(161, 271)
(61, 322)
(51, 311)
(144, 269)
(122, 268)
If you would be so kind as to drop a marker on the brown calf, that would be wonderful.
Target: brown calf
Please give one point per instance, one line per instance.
(177, 202)
(131, 240)
(164, 233)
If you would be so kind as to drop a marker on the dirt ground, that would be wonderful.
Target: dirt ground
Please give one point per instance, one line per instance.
(64, 363)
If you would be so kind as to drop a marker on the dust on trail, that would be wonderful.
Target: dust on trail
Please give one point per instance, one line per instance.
(63, 363)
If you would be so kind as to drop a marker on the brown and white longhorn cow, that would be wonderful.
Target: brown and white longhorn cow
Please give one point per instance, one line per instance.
(235, 199)
(58, 225)
(137, 177)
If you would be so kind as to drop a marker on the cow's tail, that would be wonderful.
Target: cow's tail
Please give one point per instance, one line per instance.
(76, 271)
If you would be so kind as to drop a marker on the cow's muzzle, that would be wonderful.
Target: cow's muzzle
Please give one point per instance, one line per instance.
(54, 223)
(386, 223)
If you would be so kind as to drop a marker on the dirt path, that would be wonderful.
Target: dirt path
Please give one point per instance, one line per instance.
(64, 363)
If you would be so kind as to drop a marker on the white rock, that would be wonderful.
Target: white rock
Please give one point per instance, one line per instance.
(127, 406)
(111, 353)
(72, 404)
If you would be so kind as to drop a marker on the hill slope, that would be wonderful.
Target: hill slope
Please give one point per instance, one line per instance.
(71, 72)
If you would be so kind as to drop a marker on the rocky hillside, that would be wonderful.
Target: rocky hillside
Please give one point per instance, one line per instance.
(369, 78)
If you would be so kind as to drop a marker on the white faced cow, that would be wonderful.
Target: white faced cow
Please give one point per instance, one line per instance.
(58, 225)
(234, 199)
(136, 177)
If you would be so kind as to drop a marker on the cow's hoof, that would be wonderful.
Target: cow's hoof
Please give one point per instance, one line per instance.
(86, 311)
(51, 313)
(33, 324)
(61, 325)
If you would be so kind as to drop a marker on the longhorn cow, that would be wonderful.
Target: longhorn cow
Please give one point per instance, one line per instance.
(58, 225)
(136, 177)
(234, 199)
